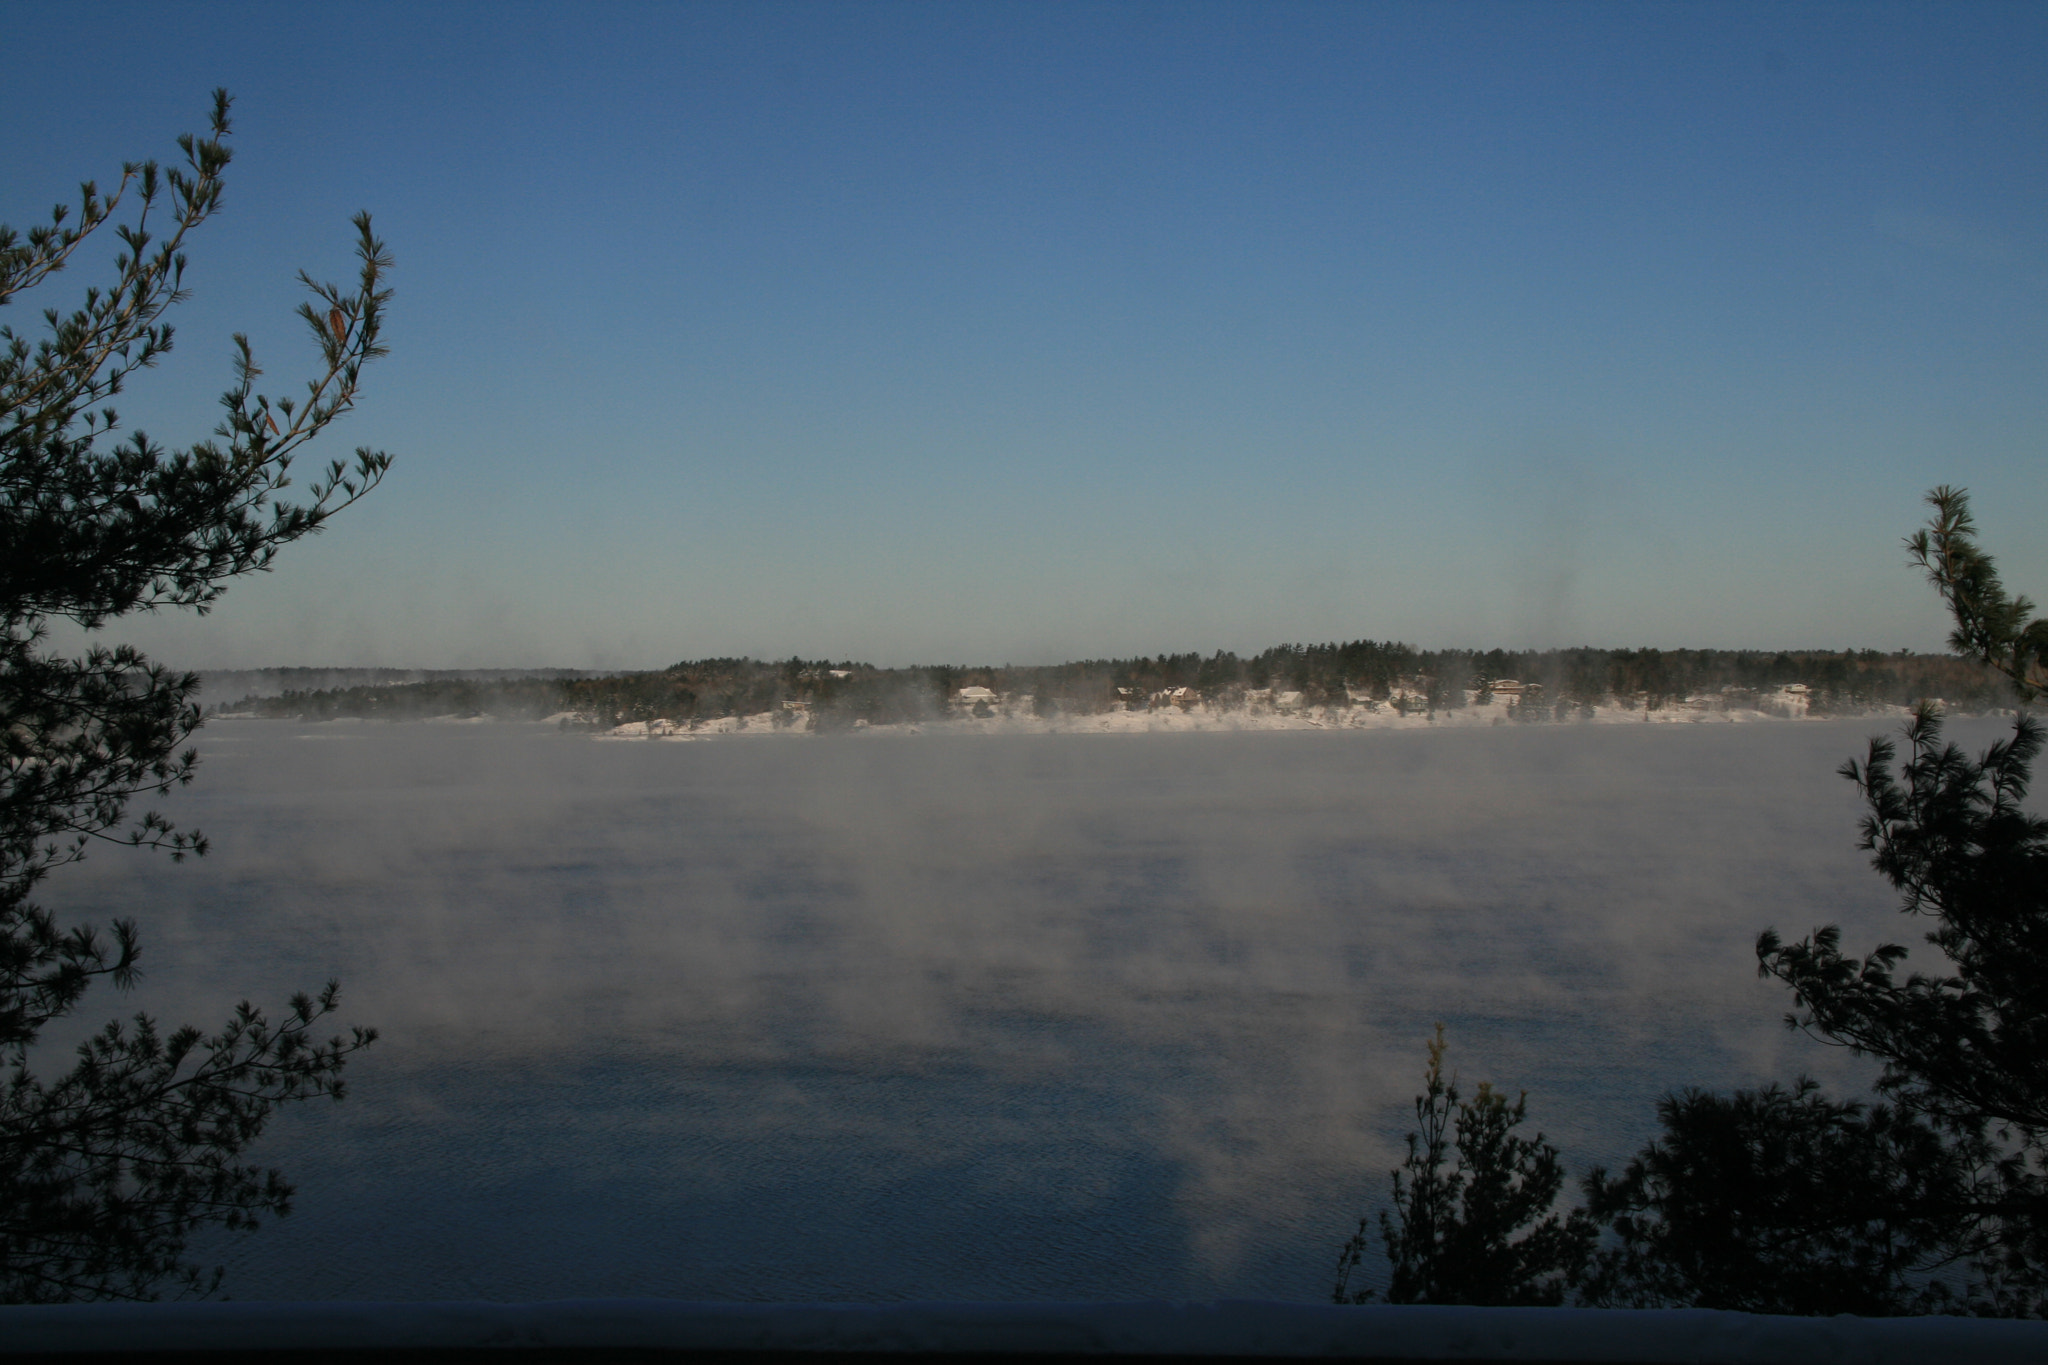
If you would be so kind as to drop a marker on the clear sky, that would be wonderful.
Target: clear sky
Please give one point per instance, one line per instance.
(980, 332)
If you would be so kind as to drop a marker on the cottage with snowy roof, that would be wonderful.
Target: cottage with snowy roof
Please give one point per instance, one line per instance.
(978, 700)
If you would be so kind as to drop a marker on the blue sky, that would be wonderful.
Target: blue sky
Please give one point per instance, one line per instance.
(985, 333)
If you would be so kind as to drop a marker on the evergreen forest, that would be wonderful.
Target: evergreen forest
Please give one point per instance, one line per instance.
(826, 695)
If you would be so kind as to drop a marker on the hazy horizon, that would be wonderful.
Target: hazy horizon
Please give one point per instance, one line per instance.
(970, 665)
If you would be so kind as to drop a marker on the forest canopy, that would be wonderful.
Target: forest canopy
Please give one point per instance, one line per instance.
(1358, 673)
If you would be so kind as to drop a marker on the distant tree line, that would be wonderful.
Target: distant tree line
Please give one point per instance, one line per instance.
(1560, 683)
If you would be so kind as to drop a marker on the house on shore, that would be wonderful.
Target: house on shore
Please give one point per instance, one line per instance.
(978, 701)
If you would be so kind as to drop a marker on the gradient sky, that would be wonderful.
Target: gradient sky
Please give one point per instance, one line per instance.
(985, 333)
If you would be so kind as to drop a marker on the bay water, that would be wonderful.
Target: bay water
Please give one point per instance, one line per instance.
(951, 1017)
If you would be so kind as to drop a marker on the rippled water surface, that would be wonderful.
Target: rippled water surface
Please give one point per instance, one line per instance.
(1044, 1017)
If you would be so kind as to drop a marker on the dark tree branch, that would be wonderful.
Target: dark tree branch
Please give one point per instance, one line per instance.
(106, 1169)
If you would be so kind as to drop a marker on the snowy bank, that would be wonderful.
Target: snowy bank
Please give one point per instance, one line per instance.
(1202, 718)
(1241, 1328)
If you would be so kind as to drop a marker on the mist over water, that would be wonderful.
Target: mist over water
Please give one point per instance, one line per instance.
(1036, 1017)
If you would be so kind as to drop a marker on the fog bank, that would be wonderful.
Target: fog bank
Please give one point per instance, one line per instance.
(1038, 1017)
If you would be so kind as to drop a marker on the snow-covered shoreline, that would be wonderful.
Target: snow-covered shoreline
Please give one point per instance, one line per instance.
(1200, 719)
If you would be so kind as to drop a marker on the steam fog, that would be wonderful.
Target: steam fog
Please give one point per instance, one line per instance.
(963, 1018)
